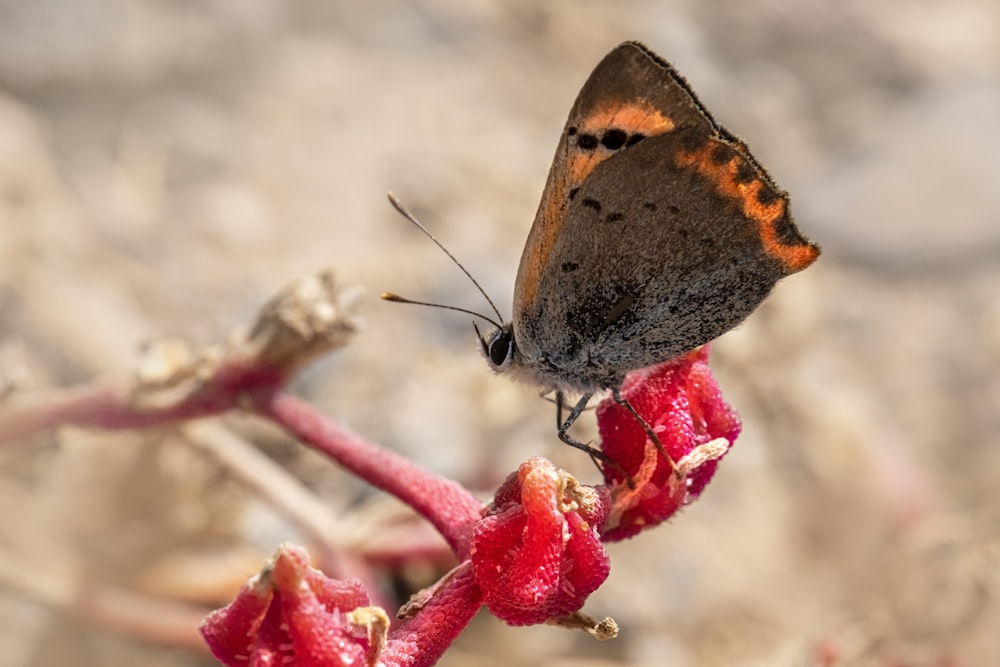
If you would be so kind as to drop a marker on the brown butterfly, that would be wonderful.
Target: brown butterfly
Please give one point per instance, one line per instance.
(657, 232)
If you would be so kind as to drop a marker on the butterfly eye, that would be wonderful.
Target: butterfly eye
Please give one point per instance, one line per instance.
(501, 347)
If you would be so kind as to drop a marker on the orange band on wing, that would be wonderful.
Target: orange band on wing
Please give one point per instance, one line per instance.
(635, 118)
(758, 201)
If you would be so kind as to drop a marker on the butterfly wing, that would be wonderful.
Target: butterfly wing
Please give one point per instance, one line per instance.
(631, 93)
(657, 231)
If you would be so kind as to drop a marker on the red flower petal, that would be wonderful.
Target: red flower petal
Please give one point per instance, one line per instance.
(293, 614)
(320, 636)
(536, 556)
(682, 403)
(231, 632)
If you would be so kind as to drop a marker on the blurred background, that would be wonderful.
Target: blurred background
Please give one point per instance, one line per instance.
(165, 167)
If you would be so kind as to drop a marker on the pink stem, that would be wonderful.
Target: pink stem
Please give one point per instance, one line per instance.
(447, 505)
(423, 639)
(100, 405)
(113, 406)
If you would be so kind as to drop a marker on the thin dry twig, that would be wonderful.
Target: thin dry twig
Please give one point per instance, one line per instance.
(310, 317)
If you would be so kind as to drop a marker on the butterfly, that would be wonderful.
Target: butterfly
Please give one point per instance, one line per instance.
(657, 232)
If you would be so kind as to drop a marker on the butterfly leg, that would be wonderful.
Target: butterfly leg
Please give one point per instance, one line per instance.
(616, 395)
(552, 399)
(563, 427)
(574, 414)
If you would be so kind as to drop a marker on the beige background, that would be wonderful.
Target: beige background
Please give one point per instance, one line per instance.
(166, 166)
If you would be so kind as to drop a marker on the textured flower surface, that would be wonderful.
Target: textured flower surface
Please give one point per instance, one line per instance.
(537, 554)
(682, 403)
(291, 614)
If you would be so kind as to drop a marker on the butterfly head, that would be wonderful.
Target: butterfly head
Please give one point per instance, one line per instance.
(499, 347)
(505, 357)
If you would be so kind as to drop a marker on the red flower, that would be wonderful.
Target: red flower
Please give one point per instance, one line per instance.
(537, 555)
(293, 614)
(684, 406)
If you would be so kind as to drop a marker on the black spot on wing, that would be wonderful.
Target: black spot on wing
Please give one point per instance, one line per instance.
(586, 142)
(786, 231)
(766, 195)
(614, 139)
(745, 172)
(722, 154)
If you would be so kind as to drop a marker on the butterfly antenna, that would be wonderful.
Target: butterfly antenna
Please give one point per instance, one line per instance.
(395, 298)
(405, 212)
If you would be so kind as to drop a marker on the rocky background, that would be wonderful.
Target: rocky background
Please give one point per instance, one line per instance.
(166, 166)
